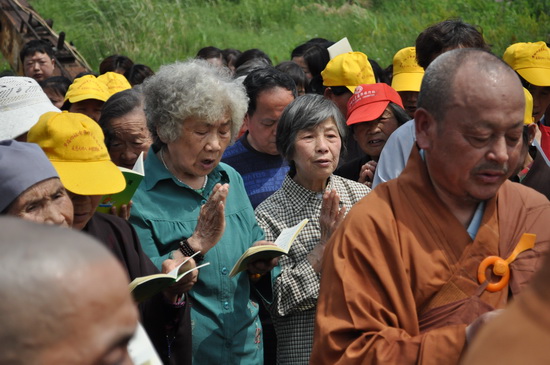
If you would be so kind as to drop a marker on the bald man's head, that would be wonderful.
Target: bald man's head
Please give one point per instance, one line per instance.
(476, 68)
(65, 297)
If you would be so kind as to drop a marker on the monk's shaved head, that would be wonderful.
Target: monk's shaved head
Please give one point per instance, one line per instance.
(48, 278)
(439, 89)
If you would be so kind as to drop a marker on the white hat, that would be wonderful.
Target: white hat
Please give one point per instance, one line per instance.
(22, 102)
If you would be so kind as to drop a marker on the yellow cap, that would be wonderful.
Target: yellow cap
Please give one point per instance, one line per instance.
(528, 118)
(531, 61)
(407, 74)
(87, 87)
(115, 82)
(75, 145)
(350, 70)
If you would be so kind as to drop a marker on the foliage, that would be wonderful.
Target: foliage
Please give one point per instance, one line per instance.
(155, 32)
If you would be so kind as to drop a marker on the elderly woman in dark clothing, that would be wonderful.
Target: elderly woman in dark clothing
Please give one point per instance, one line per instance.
(74, 144)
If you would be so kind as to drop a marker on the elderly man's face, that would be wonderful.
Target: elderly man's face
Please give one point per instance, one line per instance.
(262, 125)
(477, 146)
(45, 202)
(130, 138)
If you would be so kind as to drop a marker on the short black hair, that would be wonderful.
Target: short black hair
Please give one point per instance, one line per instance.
(302, 48)
(138, 73)
(36, 45)
(250, 54)
(115, 62)
(295, 71)
(59, 84)
(446, 35)
(209, 52)
(265, 79)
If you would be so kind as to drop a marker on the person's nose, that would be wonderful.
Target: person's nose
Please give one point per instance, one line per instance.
(374, 127)
(499, 151)
(52, 215)
(321, 144)
(213, 143)
(129, 155)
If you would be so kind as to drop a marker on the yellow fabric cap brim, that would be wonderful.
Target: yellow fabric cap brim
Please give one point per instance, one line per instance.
(536, 76)
(407, 81)
(90, 178)
(77, 98)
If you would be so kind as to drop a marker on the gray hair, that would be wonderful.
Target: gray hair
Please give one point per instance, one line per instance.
(305, 113)
(437, 91)
(193, 88)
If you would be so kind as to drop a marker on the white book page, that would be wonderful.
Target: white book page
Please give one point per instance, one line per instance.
(288, 235)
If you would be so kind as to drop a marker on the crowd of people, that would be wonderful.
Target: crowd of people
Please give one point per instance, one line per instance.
(426, 187)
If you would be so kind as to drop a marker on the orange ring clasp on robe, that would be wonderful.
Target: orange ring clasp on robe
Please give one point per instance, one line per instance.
(501, 267)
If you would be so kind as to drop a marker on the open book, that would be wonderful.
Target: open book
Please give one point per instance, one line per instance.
(133, 179)
(145, 287)
(267, 252)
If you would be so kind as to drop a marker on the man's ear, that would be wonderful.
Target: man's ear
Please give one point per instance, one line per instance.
(328, 93)
(532, 132)
(425, 128)
(246, 120)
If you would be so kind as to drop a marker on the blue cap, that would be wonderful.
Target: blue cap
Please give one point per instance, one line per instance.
(22, 165)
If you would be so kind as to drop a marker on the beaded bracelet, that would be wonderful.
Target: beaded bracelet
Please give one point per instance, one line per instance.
(187, 251)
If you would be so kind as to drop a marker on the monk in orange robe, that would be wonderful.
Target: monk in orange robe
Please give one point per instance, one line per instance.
(400, 278)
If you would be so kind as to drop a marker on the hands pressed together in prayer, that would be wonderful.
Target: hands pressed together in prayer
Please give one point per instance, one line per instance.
(208, 232)
(331, 217)
(366, 175)
(211, 222)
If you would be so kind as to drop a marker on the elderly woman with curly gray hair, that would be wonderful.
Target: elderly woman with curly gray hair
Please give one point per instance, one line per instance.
(191, 203)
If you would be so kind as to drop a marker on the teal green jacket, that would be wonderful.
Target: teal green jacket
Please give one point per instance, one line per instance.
(225, 324)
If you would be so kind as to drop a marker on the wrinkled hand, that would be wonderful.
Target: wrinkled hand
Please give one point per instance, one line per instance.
(124, 210)
(262, 267)
(186, 283)
(366, 175)
(474, 327)
(211, 222)
(331, 217)
(331, 214)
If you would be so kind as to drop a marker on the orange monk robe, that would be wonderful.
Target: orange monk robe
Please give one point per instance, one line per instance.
(520, 335)
(399, 282)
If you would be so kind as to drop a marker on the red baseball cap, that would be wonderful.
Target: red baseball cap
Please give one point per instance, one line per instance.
(369, 102)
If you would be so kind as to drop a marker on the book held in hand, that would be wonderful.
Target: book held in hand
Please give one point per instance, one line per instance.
(144, 287)
(268, 252)
(133, 179)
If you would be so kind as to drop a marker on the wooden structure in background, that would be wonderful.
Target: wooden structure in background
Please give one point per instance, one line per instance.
(20, 23)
